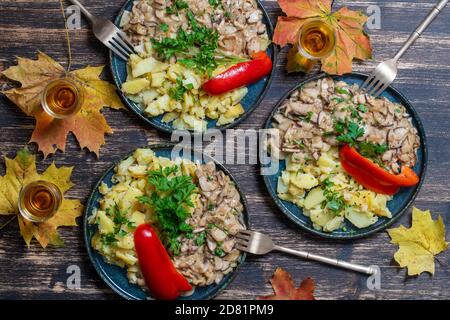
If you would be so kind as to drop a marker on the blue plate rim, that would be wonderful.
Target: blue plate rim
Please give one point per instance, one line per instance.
(147, 120)
(90, 204)
(387, 223)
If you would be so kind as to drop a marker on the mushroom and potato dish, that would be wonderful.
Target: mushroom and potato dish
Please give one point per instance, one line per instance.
(199, 235)
(318, 119)
(180, 45)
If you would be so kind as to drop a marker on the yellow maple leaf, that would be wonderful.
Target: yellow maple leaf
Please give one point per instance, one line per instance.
(419, 244)
(21, 171)
(89, 125)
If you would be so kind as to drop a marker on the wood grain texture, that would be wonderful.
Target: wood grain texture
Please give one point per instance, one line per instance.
(424, 77)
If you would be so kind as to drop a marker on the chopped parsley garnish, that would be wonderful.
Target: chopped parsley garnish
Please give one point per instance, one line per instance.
(371, 150)
(211, 206)
(348, 132)
(354, 113)
(334, 201)
(122, 233)
(341, 91)
(211, 225)
(300, 144)
(194, 49)
(164, 27)
(170, 200)
(200, 240)
(177, 6)
(179, 90)
(338, 100)
(327, 183)
(215, 3)
(308, 116)
(219, 251)
(362, 108)
(109, 238)
(120, 219)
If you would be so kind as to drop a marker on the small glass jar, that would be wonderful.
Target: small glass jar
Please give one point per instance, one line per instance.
(39, 201)
(316, 40)
(62, 98)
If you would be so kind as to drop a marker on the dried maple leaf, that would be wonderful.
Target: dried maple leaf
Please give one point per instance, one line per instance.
(419, 244)
(351, 40)
(19, 172)
(284, 287)
(89, 125)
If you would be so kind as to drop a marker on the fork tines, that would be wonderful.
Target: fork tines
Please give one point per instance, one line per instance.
(373, 85)
(121, 46)
(243, 239)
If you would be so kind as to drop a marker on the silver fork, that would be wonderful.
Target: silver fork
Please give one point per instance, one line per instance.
(258, 243)
(386, 71)
(111, 36)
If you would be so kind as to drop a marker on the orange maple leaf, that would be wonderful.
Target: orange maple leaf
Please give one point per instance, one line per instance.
(285, 289)
(351, 40)
(89, 125)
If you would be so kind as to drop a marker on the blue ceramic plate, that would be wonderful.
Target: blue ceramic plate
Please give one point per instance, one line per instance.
(398, 205)
(254, 96)
(116, 277)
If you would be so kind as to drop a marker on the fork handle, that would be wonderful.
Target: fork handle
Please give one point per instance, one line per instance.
(421, 28)
(84, 10)
(334, 262)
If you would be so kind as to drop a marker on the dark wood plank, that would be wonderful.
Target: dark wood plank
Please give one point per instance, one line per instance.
(424, 77)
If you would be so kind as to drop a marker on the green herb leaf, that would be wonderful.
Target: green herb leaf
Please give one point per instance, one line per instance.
(177, 6)
(170, 201)
(338, 100)
(362, 108)
(348, 132)
(164, 27)
(308, 116)
(218, 251)
(341, 91)
(108, 239)
(194, 49)
(372, 150)
(179, 90)
(200, 240)
(215, 3)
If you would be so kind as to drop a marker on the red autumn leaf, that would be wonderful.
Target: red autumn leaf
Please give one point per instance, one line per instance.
(285, 289)
(351, 40)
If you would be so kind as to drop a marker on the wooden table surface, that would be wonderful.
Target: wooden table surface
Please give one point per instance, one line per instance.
(33, 273)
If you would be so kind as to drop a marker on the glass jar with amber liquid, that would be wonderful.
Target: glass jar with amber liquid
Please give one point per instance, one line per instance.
(39, 201)
(62, 98)
(316, 40)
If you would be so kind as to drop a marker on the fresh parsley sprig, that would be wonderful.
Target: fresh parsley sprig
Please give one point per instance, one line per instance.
(170, 200)
(195, 49)
(348, 132)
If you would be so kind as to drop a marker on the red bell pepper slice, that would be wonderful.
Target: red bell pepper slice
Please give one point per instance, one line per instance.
(160, 275)
(406, 178)
(239, 75)
(367, 181)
